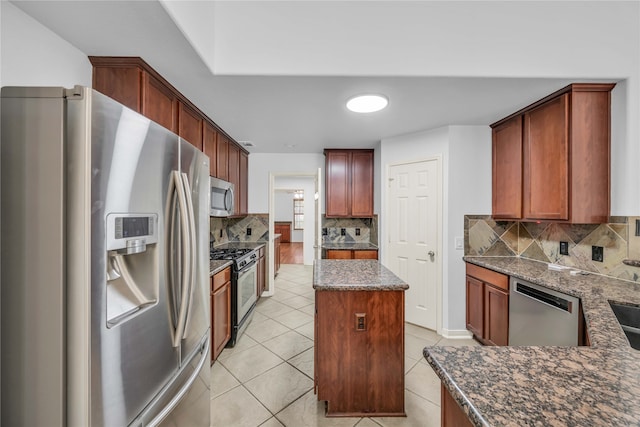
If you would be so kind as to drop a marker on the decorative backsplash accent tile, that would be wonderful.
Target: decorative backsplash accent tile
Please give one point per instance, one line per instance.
(541, 241)
(235, 229)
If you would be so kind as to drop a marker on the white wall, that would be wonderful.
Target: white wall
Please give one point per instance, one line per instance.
(32, 55)
(262, 164)
(466, 183)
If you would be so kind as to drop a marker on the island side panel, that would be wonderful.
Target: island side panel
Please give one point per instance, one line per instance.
(386, 352)
(341, 352)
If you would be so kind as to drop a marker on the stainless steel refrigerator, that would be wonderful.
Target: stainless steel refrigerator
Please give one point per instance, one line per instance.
(104, 265)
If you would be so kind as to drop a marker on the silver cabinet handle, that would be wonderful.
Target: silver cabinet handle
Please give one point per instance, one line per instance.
(431, 254)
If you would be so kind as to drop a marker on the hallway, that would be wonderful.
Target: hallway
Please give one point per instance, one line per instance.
(291, 253)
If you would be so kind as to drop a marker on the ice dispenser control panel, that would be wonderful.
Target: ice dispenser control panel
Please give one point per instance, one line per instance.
(131, 230)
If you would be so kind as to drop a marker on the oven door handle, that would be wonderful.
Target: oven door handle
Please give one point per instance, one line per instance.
(247, 267)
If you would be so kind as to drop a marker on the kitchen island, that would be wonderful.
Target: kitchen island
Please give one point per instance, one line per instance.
(503, 386)
(359, 338)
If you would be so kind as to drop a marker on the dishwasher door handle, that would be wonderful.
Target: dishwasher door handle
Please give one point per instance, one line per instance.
(552, 300)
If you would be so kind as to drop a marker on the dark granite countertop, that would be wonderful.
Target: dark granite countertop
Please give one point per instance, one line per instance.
(217, 265)
(354, 275)
(540, 386)
(354, 246)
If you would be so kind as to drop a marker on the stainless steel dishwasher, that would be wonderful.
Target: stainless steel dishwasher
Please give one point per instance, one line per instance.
(541, 316)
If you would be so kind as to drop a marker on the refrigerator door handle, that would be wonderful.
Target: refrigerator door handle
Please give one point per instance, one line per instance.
(186, 257)
(192, 260)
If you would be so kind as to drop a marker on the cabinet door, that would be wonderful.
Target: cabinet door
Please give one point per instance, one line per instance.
(546, 161)
(507, 170)
(496, 315)
(342, 351)
(221, 318)
(244, 183)
(339, 254)
(276, 255)
(365, 254)
(222, 164)
(190, 125)
(234, 174)
(120, 82)
(159, 103)
(209, 146)
(475, 306)
(338, 182)
(362, 183)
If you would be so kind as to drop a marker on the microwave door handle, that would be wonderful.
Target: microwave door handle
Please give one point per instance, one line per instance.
(186, 256)
(228, 197)
(192, 260)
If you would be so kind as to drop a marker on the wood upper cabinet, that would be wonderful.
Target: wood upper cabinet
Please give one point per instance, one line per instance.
(565, 157)
(210, 146)
(190, 125)
(487, 310)
(220, 311)
(222, 160)
(159, 103)
(233, 161)
(359, 348)
(349, 182)
(507, 169)
(119, 79)
(243, 196)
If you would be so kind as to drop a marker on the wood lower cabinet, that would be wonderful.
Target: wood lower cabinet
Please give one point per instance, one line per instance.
(276, 255)
(283, 228)
(351, 254)
(220, 311)
(349, 183)
(564, 166)
(487, 305)
(359, 352)
(261, 272)
(451, 415)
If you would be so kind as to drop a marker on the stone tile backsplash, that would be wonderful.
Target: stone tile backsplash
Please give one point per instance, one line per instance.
(484, 236)
(224, 230)
(368, 230)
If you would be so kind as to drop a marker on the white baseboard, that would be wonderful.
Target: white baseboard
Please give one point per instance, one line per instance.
(456, 334)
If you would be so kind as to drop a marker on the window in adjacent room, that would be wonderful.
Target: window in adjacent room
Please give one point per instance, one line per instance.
(298, 210)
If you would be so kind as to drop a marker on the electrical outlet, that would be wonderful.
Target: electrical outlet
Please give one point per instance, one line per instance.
(325, 232)
(458, 243)
(343, 231)
(564, 248)
(221, 233)
(597, 253)
(357, 231)
(248, 231)
(637, 227)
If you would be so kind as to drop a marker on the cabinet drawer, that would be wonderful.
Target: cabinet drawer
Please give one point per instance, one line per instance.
(491, 277)
(221, 278)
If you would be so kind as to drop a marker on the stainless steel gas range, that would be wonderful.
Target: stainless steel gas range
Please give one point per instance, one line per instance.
(244, 286)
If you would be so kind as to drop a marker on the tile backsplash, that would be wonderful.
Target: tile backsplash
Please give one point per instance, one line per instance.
(484, 236)
(368, 229)
(224, 230)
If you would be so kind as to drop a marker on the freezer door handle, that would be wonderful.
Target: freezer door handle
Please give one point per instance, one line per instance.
(192, 258)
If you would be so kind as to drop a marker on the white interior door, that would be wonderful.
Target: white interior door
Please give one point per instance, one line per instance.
(413, 224)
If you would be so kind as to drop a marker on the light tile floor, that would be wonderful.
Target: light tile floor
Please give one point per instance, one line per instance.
(266, 379)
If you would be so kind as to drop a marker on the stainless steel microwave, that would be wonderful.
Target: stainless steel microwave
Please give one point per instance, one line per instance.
(222, 198)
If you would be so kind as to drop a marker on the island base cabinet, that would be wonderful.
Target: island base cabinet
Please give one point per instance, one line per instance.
(359, 368)
(451, 415)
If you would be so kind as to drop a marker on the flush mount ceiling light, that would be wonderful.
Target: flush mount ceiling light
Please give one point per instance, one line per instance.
(367, 103)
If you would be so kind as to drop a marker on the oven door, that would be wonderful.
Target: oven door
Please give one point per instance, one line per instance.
(247, 290)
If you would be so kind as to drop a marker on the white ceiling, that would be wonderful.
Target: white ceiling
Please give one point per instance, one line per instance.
(277, 111)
